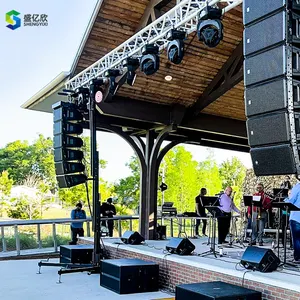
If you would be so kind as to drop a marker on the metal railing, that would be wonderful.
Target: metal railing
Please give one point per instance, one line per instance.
(15, 226)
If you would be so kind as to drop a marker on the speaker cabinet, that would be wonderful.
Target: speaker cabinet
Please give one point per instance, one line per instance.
(180, 246)
(126, 276)
(272, 85)
(161, 232)
(215, 290)
(132, 238)
(76, 254)
(260, 259)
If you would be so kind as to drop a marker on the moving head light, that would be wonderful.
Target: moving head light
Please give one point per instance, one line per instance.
(150, 59)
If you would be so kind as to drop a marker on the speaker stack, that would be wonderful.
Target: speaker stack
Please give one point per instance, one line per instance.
(272, 84)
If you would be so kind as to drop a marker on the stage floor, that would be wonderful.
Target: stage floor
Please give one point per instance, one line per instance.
(228, 264)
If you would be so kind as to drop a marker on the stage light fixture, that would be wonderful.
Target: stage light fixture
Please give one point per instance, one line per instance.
(99, 89)
(150, 59)
(132, 65)
(112, 74)
(175, 49)
(210, 27)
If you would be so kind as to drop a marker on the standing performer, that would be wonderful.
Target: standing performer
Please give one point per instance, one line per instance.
(294, 198)
(259, 216)
(200, 210)
(286, 184)
(226, 206)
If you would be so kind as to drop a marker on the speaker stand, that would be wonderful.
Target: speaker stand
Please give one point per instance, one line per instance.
(212, 239)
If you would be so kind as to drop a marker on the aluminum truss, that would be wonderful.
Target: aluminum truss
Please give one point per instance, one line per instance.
(183, 16)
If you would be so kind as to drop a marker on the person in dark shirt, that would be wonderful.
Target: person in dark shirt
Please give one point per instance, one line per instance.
(286, 184)
(108, 210)
(77, 227)
(200, 210)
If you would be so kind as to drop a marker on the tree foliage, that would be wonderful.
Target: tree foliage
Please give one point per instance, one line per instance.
(5, 184)
(21, 160)
(232, 173)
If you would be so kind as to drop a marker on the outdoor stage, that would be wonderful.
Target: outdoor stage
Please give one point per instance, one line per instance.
(174, 269)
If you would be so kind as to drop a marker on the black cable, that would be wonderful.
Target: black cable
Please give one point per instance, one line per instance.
(244, 276)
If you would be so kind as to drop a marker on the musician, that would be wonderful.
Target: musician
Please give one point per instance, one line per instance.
(226, 206)
(200, 210)
(286, 184)
(294, 198)
(259, 215)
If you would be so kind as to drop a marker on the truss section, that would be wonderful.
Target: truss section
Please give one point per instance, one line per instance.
(184, 16)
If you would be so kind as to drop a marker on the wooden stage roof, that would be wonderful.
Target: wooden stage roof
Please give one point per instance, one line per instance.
(206, 93)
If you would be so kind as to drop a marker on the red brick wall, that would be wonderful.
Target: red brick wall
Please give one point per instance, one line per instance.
(172, 274)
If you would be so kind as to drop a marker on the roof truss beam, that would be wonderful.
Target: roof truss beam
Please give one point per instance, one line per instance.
(229, 75)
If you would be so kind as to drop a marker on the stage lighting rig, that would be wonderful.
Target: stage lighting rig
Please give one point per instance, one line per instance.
(112, 74)
(210, 27)
(150, 59)
(175, 49)
(132, 65)
(80, 97)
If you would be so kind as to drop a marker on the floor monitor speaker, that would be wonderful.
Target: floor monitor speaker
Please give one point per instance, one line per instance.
(180, 246)
(132, 238)
(260, 259)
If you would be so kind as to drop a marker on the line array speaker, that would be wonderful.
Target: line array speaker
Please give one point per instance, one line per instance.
(272, 84)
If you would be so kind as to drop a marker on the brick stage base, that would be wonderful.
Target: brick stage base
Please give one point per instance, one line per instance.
(174, 272)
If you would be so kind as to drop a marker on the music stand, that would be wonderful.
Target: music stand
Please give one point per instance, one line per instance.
(281, 193)
(215, 213)
(288, 207)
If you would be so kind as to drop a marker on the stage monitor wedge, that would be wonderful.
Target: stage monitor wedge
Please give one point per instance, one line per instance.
(272, 85)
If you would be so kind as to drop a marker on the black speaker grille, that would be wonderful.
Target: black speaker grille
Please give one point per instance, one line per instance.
(259, 132)
(273, 160)
(266, 98)
(267, 35)
(265, 66)
(253, 10)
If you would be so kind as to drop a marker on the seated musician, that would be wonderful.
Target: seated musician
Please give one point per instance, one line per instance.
(259, 216)
(226, 206)
(294, 198)
(200, 210)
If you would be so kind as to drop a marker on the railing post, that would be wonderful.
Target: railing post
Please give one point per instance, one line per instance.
(17, 237)
(3, 239)
(130, 224)
(120, 228)
(54, 237)
(171, 227)
(39, 236)
(88, 229)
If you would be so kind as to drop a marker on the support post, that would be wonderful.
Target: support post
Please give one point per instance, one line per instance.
(17, 238)
(54, 237)
(39, 236)
(3, 239)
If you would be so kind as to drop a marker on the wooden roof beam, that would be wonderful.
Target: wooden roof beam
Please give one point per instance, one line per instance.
(229, 75)
(152, 12)
(142, 111)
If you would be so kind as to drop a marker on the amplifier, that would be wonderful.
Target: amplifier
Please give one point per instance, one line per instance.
(127, 276)
(76, 254)
(215, 290)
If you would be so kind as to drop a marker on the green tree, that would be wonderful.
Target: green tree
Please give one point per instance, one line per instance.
(128, 189)
(21, 160)
(5, 189)
(181, 176)
(232, 173)
(24, 208)
(208, 175)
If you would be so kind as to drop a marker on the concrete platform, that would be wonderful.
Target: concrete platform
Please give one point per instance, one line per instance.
(19, 281)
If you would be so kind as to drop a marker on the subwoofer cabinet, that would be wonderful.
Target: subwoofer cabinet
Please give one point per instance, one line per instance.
(127, 276)
(215, 290)
(76, 254)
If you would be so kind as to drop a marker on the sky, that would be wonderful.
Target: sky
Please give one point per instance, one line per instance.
(30, 57)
